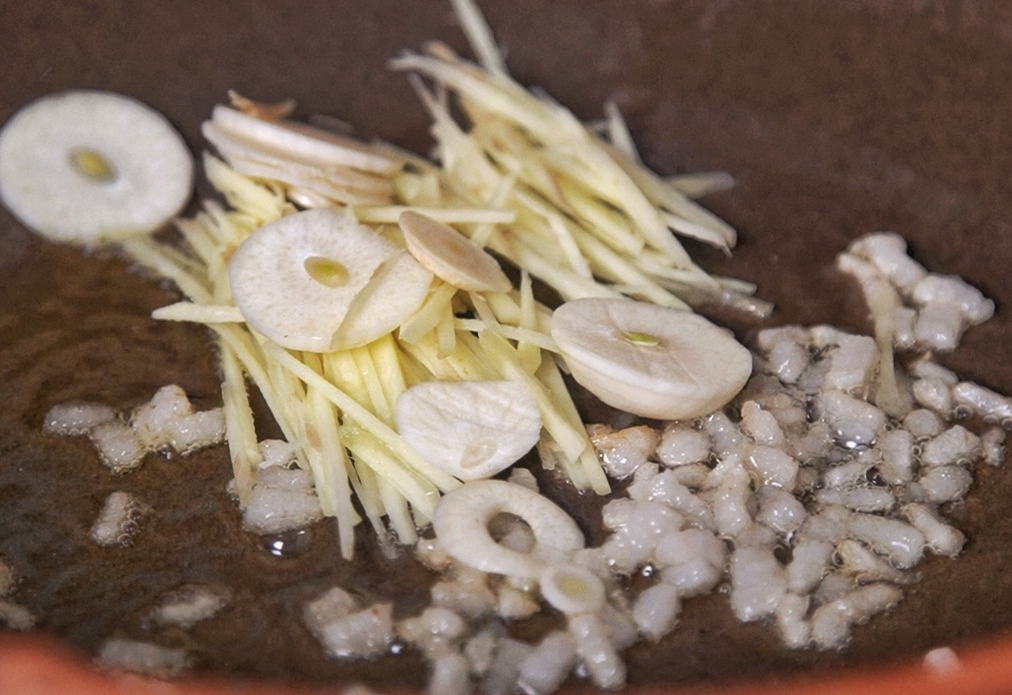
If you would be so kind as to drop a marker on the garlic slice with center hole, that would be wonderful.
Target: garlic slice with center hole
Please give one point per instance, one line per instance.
(462, 516)
(309, 277)
(652, 361)
(91, 167)
(449, 254)
(470, 429)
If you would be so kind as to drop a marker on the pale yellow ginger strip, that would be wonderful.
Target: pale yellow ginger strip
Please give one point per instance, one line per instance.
(366, 485)
(567, 244)
(532, 222)
(480, 233)
(230, 227)
(585, 160)
(524, 336)
(367, 369)
(331, 471)
(240, 431)
(615, 187)
(497, 93)
(465, 169)
(569, 284)
(369, 449)
(695, 230)
(528, 350)
(568, 194)
(471, 361)
(736, 285)
(550, 376)
(618, 131)
(514, 153)
(425, 353)
(461, 365)
(340, 369)
(398, 513)
(604, 222)
(529, 360)
(257, 201)
(387, 359)
(412, 370)
(363, 417)
(446, 335)
(198, 313)
(552, 458)
(660, 193)
(315, 419)
(252, 360)
(429, 314)
(883, 300)
(612, 266)
(420, 189)
(698, 184)
(730, 292)
(656, 264)
(389, 214)
(289, 405)
(479, 36)
(199, 238)
(528, 304)
(156, 257)
(508, 311)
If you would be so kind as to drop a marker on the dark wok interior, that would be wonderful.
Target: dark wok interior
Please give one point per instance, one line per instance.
(836, 119)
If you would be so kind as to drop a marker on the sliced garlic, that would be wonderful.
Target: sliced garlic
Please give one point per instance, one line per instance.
(334, 183)
(469, 429)
(462, 517)
(649, 360)
(90, 167)
(300, 142)
(450, 255)
(317, 280)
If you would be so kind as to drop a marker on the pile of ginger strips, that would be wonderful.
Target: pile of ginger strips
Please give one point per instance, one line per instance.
(567, 204)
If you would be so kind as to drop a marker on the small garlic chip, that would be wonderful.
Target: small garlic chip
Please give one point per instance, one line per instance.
(469, 429)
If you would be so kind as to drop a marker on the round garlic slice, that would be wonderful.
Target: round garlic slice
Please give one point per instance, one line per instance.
(652, 361)
(461, 522)
(318, 281)
(453, 257)
(89, 167)
(469, 429)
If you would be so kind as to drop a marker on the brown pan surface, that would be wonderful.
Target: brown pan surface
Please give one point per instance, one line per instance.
(836, 119)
